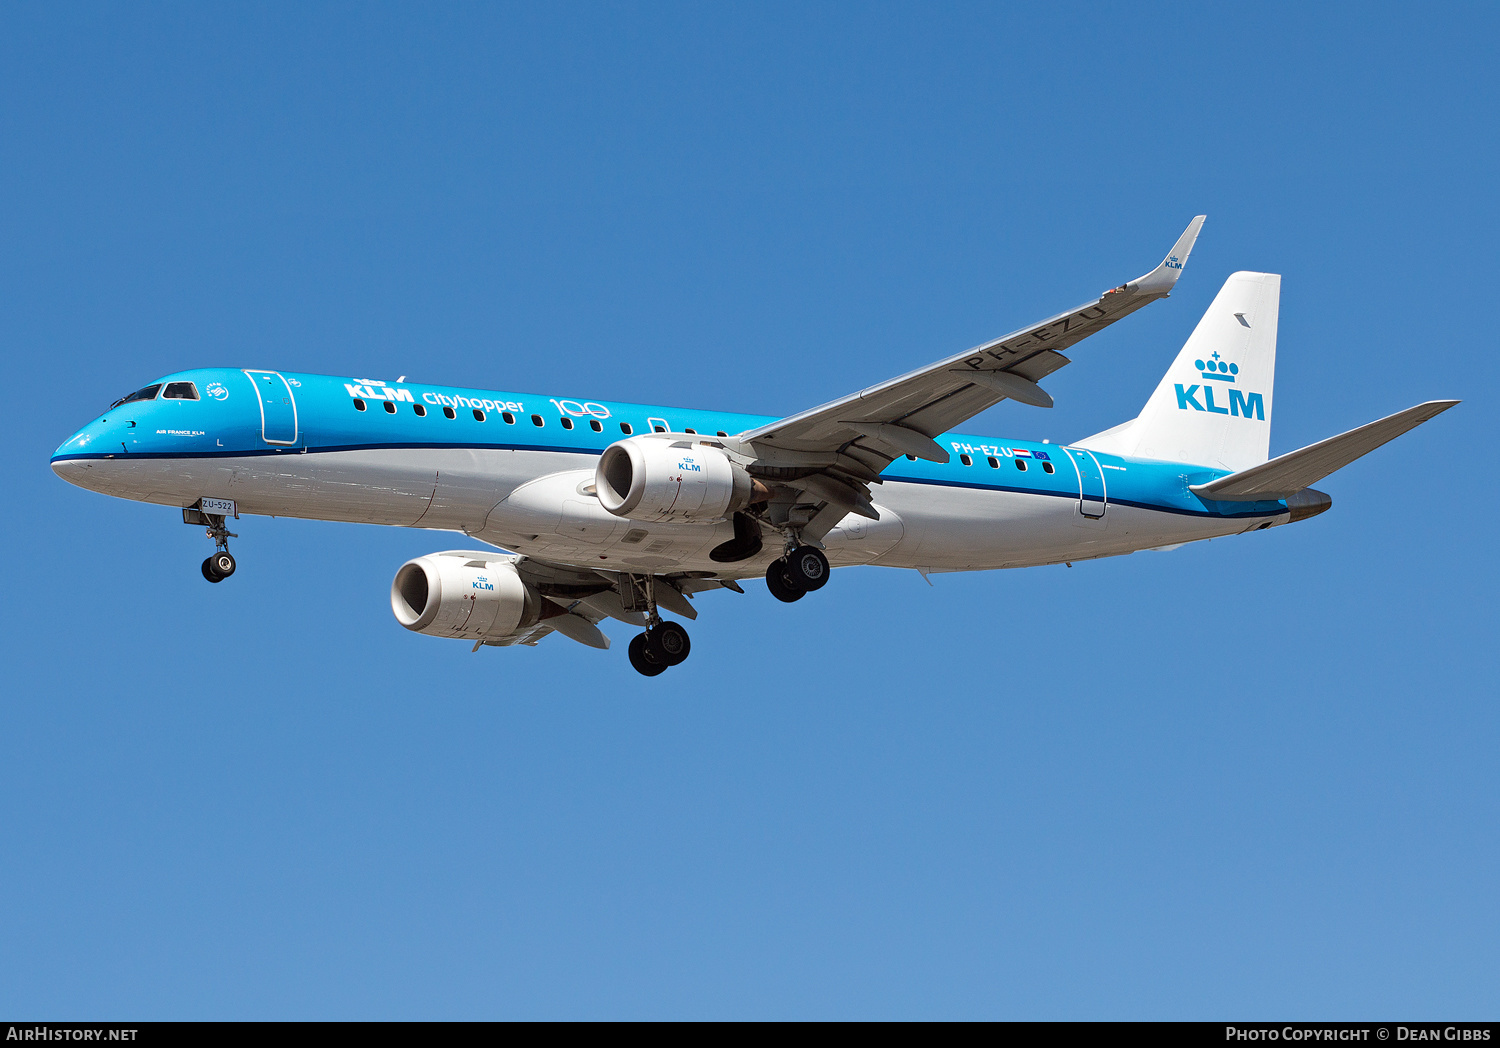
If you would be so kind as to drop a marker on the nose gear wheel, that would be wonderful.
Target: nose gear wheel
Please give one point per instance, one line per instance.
(218, 567)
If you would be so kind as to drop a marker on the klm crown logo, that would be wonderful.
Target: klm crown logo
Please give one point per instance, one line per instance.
(1172, 263)
(1216, 369)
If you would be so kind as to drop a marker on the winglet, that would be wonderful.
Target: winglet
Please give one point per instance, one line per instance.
(1160, 280)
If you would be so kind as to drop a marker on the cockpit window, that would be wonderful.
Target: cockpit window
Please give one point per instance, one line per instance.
(180, 391)
(149, 393)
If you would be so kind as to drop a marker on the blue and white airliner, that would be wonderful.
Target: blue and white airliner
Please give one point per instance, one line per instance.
(593, 509)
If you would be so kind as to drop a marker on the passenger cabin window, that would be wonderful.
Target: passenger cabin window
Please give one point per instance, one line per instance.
(180, 391)
(478, 415)
(721, 433)
(567, 423)
(966, 460)
(691, 430)
(659, 429)
(420, 410)
(994, 462)
(390, 407)
(359, 405)
(1047, 466)
(450, 413)
(149, 393)
(510, 420)
(1021, 465)
(536, 420)
(596, 425)
(911, 458)
(625, 428)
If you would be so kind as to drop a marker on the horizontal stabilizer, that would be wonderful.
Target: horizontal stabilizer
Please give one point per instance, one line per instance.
(1285, 476)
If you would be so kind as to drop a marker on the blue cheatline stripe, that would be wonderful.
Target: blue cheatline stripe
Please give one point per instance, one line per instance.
(266, 452)
(1072, 496)
(256, 452)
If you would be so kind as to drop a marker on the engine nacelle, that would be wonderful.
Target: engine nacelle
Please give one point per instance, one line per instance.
(463, 595)
(671, 480)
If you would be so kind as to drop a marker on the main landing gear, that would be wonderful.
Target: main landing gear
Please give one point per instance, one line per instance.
(665, 643)
(801, 571)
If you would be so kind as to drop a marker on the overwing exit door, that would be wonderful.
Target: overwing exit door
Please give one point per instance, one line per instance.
(1092, 495)
(278, 408)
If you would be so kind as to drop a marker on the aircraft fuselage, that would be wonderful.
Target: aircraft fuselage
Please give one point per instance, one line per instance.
(516, 470)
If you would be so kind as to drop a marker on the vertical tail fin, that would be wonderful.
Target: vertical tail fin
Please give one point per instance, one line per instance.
(1213, 407)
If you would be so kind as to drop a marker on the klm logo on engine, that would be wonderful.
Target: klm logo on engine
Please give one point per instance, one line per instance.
(482, 583)
(1241, 405)
(688, 465)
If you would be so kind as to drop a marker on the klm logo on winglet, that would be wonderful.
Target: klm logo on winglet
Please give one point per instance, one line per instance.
(1241, 405)
(1172, 263)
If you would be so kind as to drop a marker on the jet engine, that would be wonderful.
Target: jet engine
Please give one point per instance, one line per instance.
(463, 595)
(673, 481)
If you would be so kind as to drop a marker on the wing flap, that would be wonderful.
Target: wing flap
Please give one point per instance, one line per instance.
(1283, 477)
(576, 627)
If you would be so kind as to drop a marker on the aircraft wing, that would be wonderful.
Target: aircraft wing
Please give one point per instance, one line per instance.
(901, 416)
(578, 599)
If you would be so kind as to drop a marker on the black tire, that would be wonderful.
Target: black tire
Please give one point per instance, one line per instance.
(779, 582)
(641, 658)
(807, 568)
(208, 571)
(669, 643)
(223, 564)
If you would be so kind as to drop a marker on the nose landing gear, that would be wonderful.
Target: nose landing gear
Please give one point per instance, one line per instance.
(221, 565)
(218, 567)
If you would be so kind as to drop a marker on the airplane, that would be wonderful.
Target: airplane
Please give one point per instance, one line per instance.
(598, 509)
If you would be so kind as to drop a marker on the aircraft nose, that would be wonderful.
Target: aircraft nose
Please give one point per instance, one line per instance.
(80, 443)
(68, 469)
(93, 440)
(71, 460)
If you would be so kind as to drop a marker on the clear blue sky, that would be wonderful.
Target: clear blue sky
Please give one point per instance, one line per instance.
(1255, 777)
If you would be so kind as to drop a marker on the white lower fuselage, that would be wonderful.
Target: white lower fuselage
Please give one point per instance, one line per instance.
(536, 503)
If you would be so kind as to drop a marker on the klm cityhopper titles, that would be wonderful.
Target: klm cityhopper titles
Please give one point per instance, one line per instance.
(592, 509)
